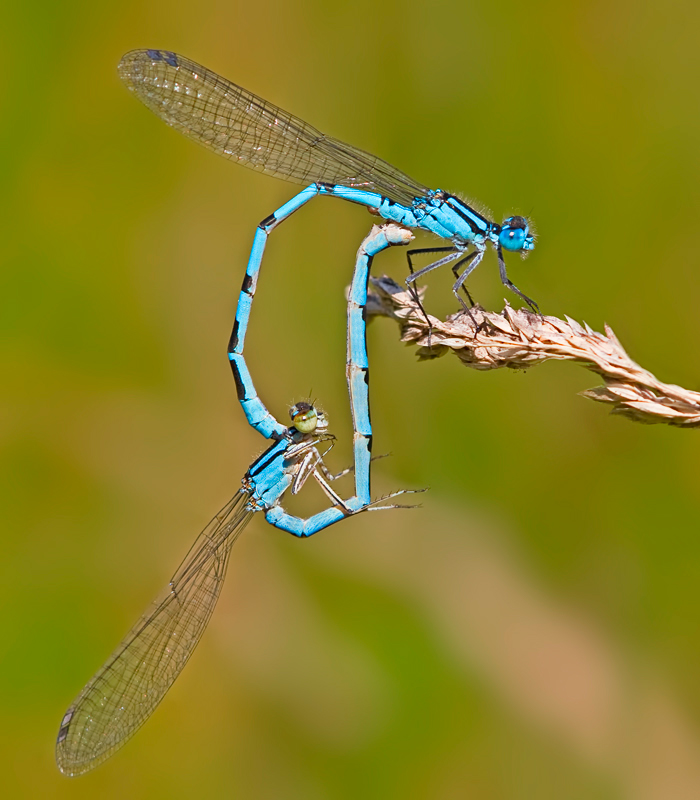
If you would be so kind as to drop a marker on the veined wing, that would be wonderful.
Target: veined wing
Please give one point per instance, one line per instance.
(238, 125)
(134, 679)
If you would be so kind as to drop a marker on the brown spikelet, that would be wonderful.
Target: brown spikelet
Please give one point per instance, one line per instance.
(522, 339)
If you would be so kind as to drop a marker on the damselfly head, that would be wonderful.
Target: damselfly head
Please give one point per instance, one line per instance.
(306, 418)
(515, 235)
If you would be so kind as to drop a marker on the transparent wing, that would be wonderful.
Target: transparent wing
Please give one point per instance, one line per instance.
(134, 679)
(239, 125)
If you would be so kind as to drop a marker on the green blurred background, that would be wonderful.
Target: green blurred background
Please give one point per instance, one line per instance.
(533, 631)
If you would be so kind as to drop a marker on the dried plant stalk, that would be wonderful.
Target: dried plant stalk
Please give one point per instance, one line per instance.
(521, 339)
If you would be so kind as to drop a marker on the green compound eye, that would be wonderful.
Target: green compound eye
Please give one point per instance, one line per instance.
(304, 417)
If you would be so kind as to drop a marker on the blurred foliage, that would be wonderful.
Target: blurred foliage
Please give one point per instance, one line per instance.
(534, 629)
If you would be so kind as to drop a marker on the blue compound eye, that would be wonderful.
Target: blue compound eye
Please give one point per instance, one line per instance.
(514, 235)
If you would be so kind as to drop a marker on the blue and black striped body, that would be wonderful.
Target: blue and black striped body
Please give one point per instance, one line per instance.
(125, 691)
(131, 683)
(273, 473)
(240, 126)
(357, 363)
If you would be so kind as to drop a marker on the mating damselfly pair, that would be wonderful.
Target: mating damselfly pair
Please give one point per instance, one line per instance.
(241, 126)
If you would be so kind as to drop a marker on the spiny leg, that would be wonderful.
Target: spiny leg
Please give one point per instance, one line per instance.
(334, 476)
(453, 254)
(411, 280)
(457, 274)
(470, 263)
(505, 280)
